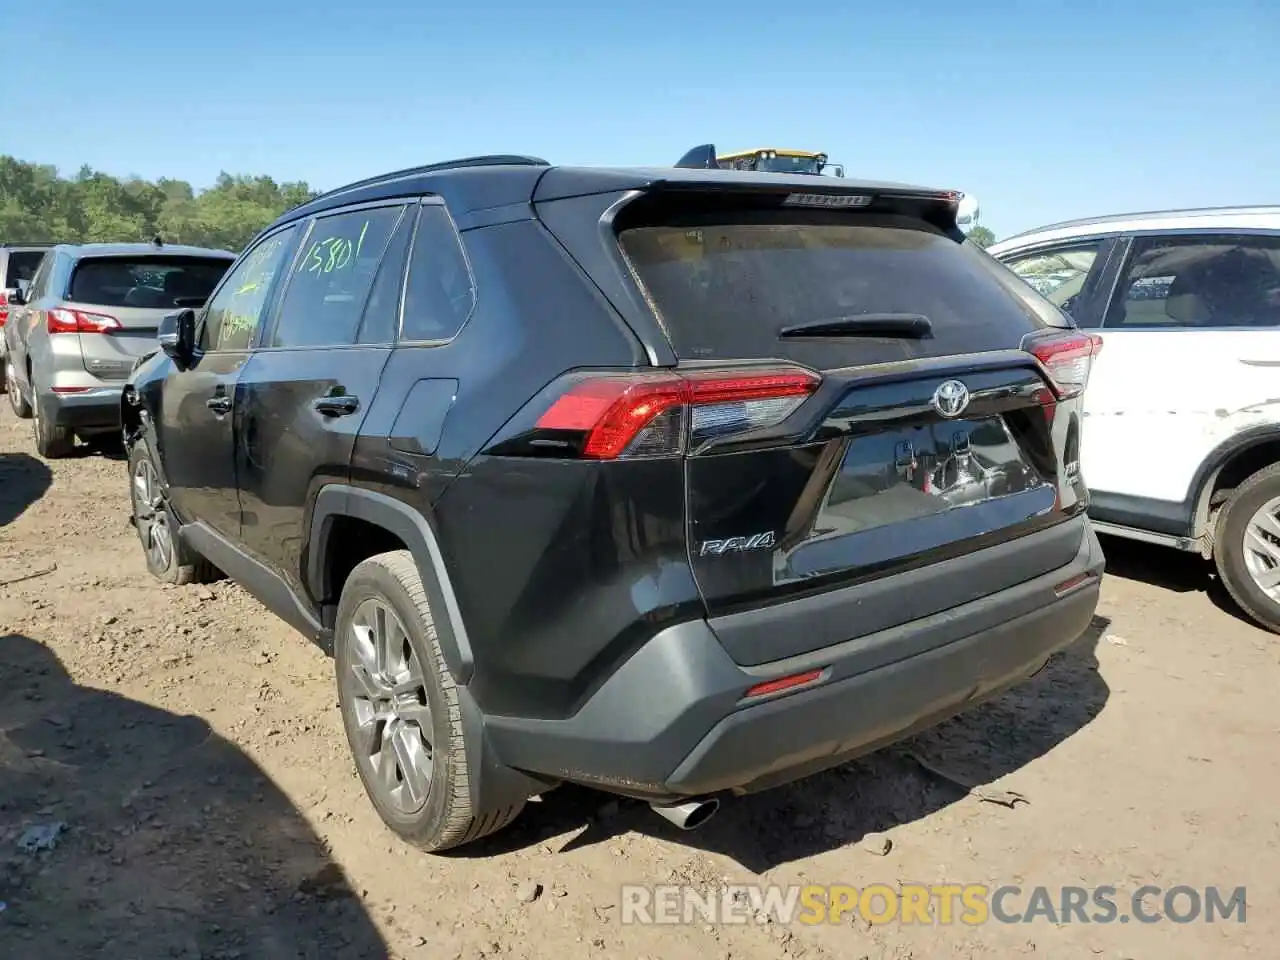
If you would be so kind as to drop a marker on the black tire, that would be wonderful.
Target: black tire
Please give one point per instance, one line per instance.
(52, 442)
(21, 409)
(1229, 554)
(179, 564)
(446, 817)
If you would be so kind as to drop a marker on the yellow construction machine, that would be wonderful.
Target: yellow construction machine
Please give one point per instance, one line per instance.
(762, 159)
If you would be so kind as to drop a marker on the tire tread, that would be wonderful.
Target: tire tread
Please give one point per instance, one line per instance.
(461, 823)
(1228, 556)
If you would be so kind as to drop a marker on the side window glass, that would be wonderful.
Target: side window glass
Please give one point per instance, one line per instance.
(382, 312)
(1199, 282)
(326, 294)
(236, 309)
(439, 294)
(1058, 275)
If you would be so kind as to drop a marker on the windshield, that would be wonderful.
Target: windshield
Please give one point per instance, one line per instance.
(725, 290)
(146, 281)
(789, 165)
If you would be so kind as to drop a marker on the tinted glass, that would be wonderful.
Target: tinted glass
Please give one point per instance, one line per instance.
(382, 312)
(726, 290)
(158, 282)
(1058, 275)
(325, 297)
(439, 294)
(22, 266)
(236, 310)
(1199, 282)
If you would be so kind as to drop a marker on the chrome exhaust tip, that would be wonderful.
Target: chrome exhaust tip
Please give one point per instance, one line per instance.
(690, 814)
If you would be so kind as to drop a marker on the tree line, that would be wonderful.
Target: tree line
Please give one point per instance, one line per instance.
(37, 204)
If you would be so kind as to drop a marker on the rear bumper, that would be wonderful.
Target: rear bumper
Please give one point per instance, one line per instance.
(672, 722)
(95, 411)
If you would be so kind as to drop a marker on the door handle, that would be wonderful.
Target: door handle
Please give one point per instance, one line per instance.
(219, 404)
(337, 406)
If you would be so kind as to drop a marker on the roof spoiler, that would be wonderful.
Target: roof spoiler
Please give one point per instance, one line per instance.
(702, 157)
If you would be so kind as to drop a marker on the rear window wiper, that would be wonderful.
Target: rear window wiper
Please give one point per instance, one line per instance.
(913, 325)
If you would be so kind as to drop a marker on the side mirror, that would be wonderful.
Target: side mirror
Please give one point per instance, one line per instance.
(177, 336)
(17, 297)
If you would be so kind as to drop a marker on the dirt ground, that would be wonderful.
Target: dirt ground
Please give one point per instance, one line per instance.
(191, 745)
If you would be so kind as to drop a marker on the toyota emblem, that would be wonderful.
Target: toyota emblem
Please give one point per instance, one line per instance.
(951, 398)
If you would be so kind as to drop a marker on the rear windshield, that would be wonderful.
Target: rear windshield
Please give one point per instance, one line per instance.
(726, 290)
(22, 266)
(145, 281)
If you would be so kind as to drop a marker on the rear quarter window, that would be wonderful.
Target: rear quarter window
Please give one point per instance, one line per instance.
(725, 290)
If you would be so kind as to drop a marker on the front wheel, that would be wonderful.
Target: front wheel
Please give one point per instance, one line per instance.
(400, 709)
(168, 557)
(1246, 547)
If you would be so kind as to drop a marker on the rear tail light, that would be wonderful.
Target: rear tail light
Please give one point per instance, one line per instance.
(63, 320)
(4, 308)
(664, 414)
(1067, 357)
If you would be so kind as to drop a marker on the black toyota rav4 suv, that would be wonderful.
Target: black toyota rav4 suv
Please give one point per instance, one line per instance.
(675, 483)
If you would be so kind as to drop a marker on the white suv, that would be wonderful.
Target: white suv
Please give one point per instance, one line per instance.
(1181, 445)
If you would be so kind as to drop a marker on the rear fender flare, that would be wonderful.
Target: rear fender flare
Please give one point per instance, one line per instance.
(414, 530)
(493, 785)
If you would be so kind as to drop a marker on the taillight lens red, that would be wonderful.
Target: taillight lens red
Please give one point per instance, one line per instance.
(1067, 356)
(63, 320)
(4, 308)
(658, 414)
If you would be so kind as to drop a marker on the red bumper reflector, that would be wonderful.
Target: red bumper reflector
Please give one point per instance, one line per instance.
(784, 683)
(71, 389)
(1079, 580)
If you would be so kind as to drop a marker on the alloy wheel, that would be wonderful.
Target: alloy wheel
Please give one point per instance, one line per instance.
(1262, 548)
(387, 697)
(151, 517)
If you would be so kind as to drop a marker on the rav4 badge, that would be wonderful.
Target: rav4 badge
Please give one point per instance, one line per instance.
(759, 541)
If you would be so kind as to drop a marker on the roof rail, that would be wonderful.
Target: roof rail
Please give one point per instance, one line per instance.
(30, 243)
(489, 160)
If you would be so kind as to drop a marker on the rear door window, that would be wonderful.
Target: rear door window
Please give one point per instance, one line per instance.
(148, 282)
(326, 294)
(726, 290)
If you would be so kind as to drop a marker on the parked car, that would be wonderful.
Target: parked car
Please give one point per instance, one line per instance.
(18, 262)
(1183, 439)
(575, 472)
(89, 312)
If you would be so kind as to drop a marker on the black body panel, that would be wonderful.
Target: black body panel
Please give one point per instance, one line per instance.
(288, 447)
(590, 635)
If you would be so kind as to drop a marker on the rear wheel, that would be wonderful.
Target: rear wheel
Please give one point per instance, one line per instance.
(17, 401)
(168, 557)
(52, 441)
(400, 709)
(1246, 546)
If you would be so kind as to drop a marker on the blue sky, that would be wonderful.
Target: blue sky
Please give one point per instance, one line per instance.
(1045, 110)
